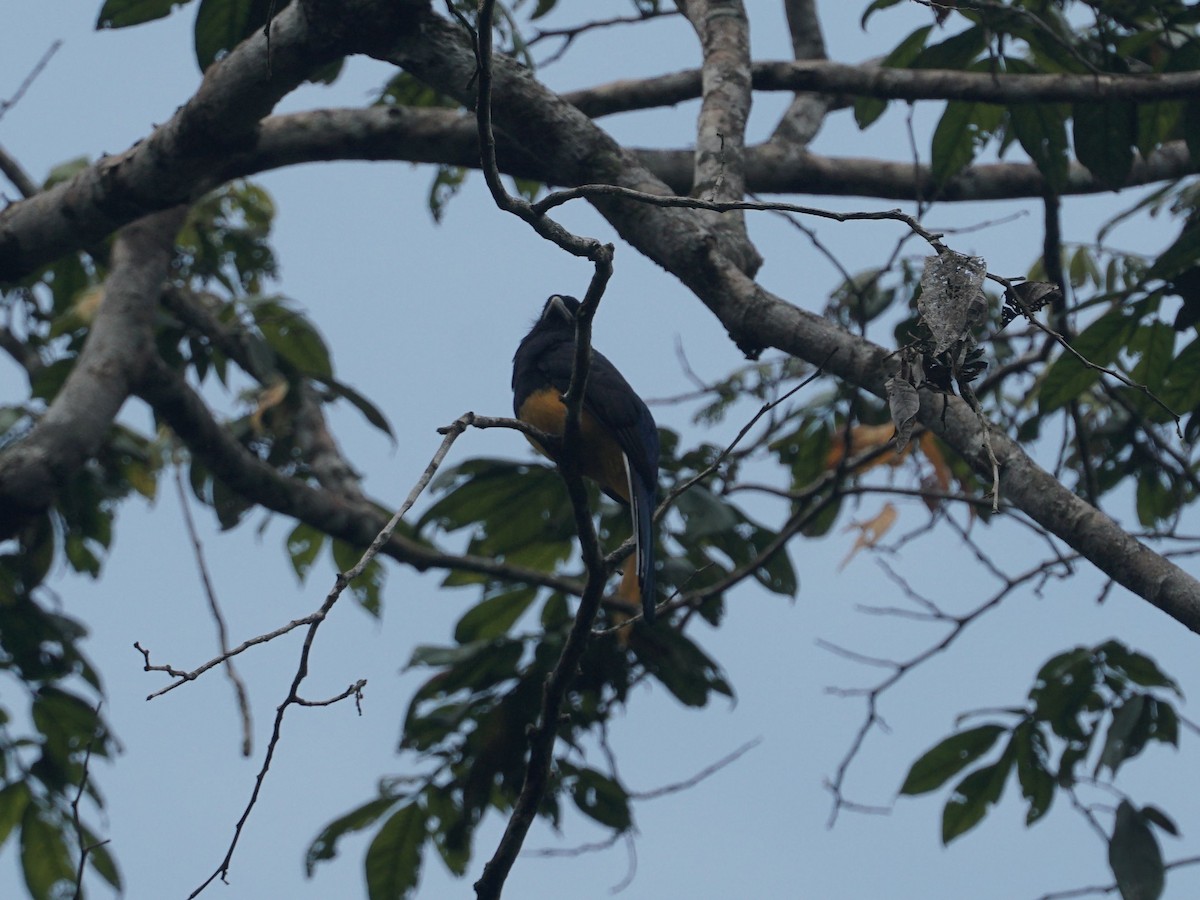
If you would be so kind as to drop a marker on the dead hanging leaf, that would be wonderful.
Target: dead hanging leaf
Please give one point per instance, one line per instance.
(904, 403)
(952, 301)
(268, 398)
(862, 439)
(870, 532)
(1027, 298)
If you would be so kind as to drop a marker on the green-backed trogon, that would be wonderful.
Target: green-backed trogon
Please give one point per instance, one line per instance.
(618, 440)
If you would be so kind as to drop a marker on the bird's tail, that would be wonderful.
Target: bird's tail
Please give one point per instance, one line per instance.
(643, 529)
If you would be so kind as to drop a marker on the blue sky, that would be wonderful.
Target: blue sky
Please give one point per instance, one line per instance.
(396, 297)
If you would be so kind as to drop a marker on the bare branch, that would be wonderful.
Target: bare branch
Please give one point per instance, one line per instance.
(16, 173)
(239, 687)
(567, 36)
(756, 319)
(27, 82)
(314, 622)
(86, 846)
(33, 469)
(252, 478)
(899, 669)
(704, 774)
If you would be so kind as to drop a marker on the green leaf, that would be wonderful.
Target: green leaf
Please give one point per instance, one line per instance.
(875, 6)
(36, 551)
(963, 128)
(48, 380)
(868, 109)
(364, 406)
(956, 52)
(228, 504)
(14, 798)
(704, 513)
(45, 860)
(1154, 342)
(1137, 667)
(1181, 255)
(1134, 856)
(1099, 343)
(495, 616)
(1036, 781)
(367, 588)
(1157, 123)
(1161, 819)
(393, 864)
(477, 666)
(223, 24)
(602, 799)
(446, 183)
(974, 794)
(1191, 129)
(123, 13)
(1117, 744)
(1104, 135)
(294, 340)
(1041, 130)
(684, 669)
(324, 845)
(304, 545)
(1157, 497)
(451, 829)
(80, 556)
(101, 860)
(945, 760)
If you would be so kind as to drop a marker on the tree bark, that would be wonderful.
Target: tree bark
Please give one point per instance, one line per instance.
(36, 468)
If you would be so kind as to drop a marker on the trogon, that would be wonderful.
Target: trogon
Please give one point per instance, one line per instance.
(618, 440)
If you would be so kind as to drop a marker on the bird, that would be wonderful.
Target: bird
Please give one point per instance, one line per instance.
(618, 439)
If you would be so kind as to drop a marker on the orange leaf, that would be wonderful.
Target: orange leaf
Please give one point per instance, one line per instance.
(862, 439)
(870, 531)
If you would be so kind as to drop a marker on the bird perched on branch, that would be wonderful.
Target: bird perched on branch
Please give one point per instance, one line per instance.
(618, 440)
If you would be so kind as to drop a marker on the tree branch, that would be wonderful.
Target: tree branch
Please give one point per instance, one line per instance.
(357, 523)
(756, 319)
(719, 158)
(163, 170)
(34, 469)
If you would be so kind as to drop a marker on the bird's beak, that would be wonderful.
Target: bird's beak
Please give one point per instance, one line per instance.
(556, 305)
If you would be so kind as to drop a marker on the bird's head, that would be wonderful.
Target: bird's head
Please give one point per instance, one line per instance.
(560, 310)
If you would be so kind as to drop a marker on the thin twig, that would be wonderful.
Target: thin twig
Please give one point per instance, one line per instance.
(667, 200)
(1011, 295)
(239, 687)
(343, 580)
(872, 695)
(6, 105)
(81, 836)
(543, 734)
(705, 773)
(568, 35)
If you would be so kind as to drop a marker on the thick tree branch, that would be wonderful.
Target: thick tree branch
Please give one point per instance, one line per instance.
(357, 523)
(34, 469)
(756, 319)
(220, 119)
(719, 168)
(806, 112)
(447, 137)
(191, 153)
(817, 75)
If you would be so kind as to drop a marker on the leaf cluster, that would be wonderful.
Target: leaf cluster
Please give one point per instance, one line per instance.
(1032, 36)
(1090, 711)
